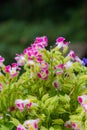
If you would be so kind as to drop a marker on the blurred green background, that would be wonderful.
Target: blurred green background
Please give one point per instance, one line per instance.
(22, 20)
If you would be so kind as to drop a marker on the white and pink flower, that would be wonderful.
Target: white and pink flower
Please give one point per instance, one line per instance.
(31, 124)
(76, 126)
(12, 71)
(20, 127)
(43, 65)
(59, 68)
(20, 59)
(20, 104)
(74, 57)
(85, 107)
(83, 101)
(32, 54)
(65, 44)
(43, 74)
(60, 42)
(67, 124)
(77, 59)
(28, 103)
(41, 42)
(56, 84)
(72, 54)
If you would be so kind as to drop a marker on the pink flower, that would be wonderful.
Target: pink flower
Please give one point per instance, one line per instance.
(74, 126)
(85, 107)
(41, 42)
(32, 53)
(28, 103)
(31, 124)
(12, 71)
(12, 108)
(60, 39)
(43, 65)
(65, 44)
(20, 104)
(55, 84)
(43, 74)
(39, 58)
(67, 124)
(77, 59)
(15, 65)
(77, 126)
(20, 59)
(20, 127)
(7, 68)
(59, 68)
(72, 55)
(0, 87)
(82, 99)
(1, 61)
(60, 42)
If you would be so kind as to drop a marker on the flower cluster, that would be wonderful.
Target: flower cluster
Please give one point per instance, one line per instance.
(32, 52)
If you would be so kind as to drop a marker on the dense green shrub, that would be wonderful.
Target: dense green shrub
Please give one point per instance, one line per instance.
(47, 94)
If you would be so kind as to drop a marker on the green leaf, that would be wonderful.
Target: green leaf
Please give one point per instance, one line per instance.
(4, 127)
(15, 121)
(45, 97)
(43, 128)
(51, 128)
(58, 121)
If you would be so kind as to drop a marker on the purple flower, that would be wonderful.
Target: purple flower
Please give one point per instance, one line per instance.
(84, 61)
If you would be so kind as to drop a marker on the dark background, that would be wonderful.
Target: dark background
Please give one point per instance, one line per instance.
(22, 20)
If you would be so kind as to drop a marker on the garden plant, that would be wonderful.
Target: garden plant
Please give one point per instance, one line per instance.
(44, 89)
